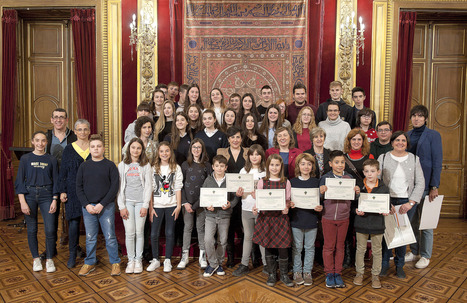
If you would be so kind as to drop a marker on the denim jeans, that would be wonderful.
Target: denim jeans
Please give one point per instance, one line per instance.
(169, 231)
(40, 198)
(106, 219)
(188, 220)
(399, 259)
(221, 225)
(134, 231)
(73, 235)
(303, 238)
(424, 244)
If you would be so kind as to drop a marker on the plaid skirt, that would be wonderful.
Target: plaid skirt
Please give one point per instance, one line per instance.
(272, 230)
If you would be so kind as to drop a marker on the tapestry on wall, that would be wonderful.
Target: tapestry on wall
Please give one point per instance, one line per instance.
(241, 46)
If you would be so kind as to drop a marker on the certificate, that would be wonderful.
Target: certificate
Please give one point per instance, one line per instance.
(270, 199)
(216, 197)
(374, 203)
(395, 234)
(430, 213)
(340, 189)
(307, 198)
(234, 181)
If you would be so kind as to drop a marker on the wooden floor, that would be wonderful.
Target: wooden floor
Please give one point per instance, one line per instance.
(444, 280)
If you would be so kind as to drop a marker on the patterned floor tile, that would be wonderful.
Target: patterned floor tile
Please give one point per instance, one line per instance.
(372, 296)
(415, 295)
(446, 277)
(171, 293)
(319, 294)
(460, 294)
(35, 298)
(104, 281)
(18, 292)
(120, 293)
(435, 286)
(71, 292)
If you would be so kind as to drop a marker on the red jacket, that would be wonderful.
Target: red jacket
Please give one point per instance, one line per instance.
(293, 153)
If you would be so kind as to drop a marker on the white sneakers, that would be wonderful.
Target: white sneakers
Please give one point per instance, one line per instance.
(49, 265)
(167, 265)
(37, 265)
(130, 268)
(409, 257)
(202, 259)
(138, 267)
(422, 263)
(184, 260)
(153, 264)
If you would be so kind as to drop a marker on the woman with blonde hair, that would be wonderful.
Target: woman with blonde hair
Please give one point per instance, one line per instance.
(302, 128)
(283, 110)
(165, 121)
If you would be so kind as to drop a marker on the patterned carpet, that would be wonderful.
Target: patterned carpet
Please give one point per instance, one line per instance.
(444, 280)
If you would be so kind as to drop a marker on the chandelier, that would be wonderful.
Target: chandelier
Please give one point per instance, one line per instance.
(144, 38)
(351, 36)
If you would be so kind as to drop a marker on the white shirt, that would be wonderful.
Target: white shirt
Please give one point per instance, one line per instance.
(398, 186)
(249, 202)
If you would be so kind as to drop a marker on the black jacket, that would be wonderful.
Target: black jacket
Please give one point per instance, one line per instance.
(371, 223)
(326, 153)
(346, 112)
(70, 138)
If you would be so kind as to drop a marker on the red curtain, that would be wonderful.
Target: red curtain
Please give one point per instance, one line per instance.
(7, 194)
(84, 42)
(403, 94)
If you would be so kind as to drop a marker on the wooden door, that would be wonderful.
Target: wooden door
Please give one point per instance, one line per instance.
(439, 82)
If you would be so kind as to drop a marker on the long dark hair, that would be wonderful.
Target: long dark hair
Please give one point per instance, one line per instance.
(259, 149)
(210, 111)
(246, 132)
(281, 173)
(264, 129)
(224, 124)
(198, 125)
(143, 159)
(253, 109)
(175, 135)
(199, 101)
(203, 158)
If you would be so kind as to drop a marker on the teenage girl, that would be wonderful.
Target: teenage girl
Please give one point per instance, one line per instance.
(158, 98)
(248, 105)
(37, 188)
(193, 96)
(272, 229)
(251, 134)
(166, 202)
(229, 119)
(164, 124)
(216, 103)
(180, 137)
(133, 201)
(212, 137)
(302, 128)
(194, 113)
(272, 120)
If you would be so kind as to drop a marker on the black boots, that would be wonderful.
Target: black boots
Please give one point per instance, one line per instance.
(348, 257)
(284, 272)
(230, 256)
(271, 266)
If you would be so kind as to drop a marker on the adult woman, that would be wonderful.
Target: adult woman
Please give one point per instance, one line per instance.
(283, 110)
(143, 130)
(248, 105)
(164, 124)
(73, 155)
(158, 98)
(271, 121)
(216, 103)
(321, 154)
(357, 151)
(180, 137)
(365, 119)
(284, 145)
(212, 137)
(194, 113)
(229, 119)
(251, 134)
(193, 96)
(301, 129)
(403, 174)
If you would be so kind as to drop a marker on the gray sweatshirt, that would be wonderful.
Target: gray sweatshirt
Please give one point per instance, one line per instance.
(218, 212)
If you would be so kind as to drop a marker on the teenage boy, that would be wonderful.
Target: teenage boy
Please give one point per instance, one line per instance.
(234, 102)
(97, 184)
(143, 109)
(182, 95)
(217, 219)
(382, 144)
(266, 100)
(163, 87)
(358, 97)
(335, 91)
(172, 91)
(335, 221)
(336, 129)
(370, 225)
(299, 98)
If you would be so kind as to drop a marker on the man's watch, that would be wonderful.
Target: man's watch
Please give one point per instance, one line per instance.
(433, 188)
(412, 203)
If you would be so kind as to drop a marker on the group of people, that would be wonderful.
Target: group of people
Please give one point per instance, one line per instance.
(173, 149)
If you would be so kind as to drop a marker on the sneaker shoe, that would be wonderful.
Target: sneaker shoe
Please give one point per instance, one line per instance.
(384, 271)
(400, 273)
(358, 280)
(375, 283)
(330, 281)
(241, 270)
(153, 264)
(130, 267)
(115, 269)
(138, 267)
(167, 265)
(220, 271)
(50, 266)
(202, 259)
(86, 269)
(209, 271)
(308, 280)
(409, 257)
(339, 282)
(37, 265)
(183, 260)
(298, 278)
(422, 263)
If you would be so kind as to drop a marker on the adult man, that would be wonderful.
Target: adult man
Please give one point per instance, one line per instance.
(234, 102)
(426, 144)
(299, 97)
(382, 144)
(336, 129)
(345, 111)
(358, 97)
(266, 100)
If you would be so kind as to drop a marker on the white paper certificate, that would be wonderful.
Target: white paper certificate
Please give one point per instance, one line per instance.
(216, 197)
(234, 181)
(374, 203)
(307, 198)
(340, 189)
(270, 199)
(395, 234)
(430, 213)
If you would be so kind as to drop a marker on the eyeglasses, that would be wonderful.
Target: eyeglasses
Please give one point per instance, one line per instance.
(59, 117)
(383, 130)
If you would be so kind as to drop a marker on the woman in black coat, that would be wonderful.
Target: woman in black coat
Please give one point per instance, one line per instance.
(321, 154)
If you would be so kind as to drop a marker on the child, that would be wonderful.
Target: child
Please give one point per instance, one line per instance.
(370, 224)
(212, 137)
(304, 222)
(37, 188)
(143, 109)
(167, 202)
(272, 229)
(195, 169)
(97, 186)
(133, 201)
(255, 166)
(335, 92)
(217, 219)
(216, 103)
(335, 221)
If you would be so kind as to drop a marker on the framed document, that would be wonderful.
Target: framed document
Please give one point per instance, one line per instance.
(374, 203)
(215, 197)
(340, 189)
(234, 181)
(396, 234)
(270, 199)
(307, 198)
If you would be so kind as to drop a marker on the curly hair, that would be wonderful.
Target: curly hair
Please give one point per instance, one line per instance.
(306, 157)
(280, 130)
(298, 125)
(365, 143)
(140, 122)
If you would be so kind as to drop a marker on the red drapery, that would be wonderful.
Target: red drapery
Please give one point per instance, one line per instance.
(7, 195)
(84, 42)
(403, 93)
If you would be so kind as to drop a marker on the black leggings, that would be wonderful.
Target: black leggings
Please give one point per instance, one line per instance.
(283, 253)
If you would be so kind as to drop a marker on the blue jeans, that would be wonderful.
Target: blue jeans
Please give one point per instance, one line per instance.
(399, 259)
(134, 231)
(106, 219)
(169, 231)
(303, 238)
(73, 235)
(40, 198)
(424, 244)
